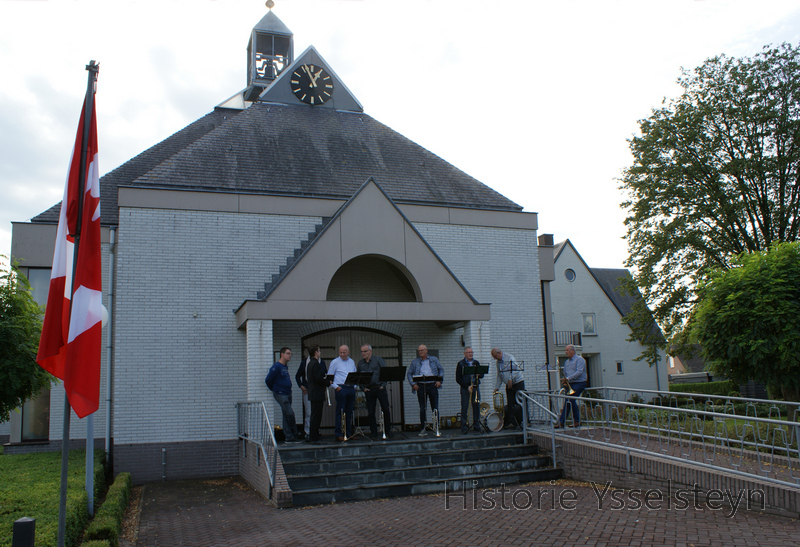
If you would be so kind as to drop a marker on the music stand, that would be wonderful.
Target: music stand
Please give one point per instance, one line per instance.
(357, 379)
(393, 374)
(476, 370)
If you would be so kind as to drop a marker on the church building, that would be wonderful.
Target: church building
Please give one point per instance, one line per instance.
(287, 216)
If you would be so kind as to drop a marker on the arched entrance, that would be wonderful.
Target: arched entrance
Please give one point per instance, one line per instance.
(384, 345)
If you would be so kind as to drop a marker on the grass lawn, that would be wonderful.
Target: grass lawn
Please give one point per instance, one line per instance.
(29, 487)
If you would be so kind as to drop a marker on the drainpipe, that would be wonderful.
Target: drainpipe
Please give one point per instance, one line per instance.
(109, 348)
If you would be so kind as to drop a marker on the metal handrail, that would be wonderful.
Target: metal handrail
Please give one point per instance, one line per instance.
(255, 426)
(681, 434)
(522, 399)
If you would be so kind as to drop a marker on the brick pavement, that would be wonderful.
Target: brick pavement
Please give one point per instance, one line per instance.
(227, 512)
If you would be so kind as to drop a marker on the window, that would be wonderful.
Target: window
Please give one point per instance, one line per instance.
(589, 324)
(619, 367)
(39, 278)
(569, 274)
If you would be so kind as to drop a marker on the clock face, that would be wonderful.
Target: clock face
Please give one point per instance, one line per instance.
(311, 84)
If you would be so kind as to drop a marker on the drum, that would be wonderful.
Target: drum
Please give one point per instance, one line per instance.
(493, 422)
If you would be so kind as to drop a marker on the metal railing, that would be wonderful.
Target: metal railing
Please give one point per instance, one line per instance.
(724, 433)
(254, 426)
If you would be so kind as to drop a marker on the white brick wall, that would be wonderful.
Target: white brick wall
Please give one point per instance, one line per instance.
(181, 364)
(180, 361)
(499, 266)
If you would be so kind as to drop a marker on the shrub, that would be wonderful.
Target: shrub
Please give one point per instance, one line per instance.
(722, 388)
(108, 520)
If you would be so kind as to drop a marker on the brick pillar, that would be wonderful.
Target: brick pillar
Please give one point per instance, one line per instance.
(259, 359)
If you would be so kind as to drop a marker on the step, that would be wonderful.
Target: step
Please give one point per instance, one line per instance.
(415, 488)
(317, 465)
(418, 473)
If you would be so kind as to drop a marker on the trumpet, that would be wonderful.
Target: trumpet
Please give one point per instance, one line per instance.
(328, 395)
(344, 426)
(436, 422)
(565, 383)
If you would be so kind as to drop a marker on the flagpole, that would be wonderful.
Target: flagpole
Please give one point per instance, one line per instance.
(87, 124)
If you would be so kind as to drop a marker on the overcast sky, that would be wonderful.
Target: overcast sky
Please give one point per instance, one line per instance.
(534, 99)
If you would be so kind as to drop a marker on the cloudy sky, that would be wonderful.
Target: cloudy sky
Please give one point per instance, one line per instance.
(535, 99)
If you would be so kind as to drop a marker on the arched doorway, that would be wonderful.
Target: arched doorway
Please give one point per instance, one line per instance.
(384, 345)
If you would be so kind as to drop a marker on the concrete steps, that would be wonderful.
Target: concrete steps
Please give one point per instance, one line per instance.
(405, 467)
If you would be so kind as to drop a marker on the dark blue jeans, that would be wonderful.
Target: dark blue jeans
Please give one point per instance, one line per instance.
(289, 424)
(572, 402)
(345, 398)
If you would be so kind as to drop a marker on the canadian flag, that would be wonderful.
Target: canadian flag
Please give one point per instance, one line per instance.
(70, 345)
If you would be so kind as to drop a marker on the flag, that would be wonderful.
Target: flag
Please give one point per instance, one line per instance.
(70, 345)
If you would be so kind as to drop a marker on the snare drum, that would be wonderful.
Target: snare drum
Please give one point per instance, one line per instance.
(493, 421)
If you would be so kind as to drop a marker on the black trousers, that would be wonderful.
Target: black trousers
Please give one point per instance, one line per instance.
(373, 396)
(316, 420)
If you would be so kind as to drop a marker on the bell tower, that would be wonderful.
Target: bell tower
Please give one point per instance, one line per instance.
(269, 52)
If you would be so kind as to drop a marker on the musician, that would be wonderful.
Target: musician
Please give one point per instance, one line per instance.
(509, 374)
(280, 383)
(574, 377)
(425, 365)
(301, 377)
(345, 395)
(375, 391)
(317, 386)
(470, 394)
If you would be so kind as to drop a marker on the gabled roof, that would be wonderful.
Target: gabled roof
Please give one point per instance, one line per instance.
(300, 292)
(280, 149)
(610, 281)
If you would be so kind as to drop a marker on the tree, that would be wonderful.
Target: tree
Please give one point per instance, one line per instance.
(20, 327)
(714, 174)
(748, 319)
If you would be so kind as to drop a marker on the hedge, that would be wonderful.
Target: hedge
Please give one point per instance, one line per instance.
(723, 388)
(107, 523)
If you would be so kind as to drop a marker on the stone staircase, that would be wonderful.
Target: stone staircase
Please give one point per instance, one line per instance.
(412, 466)
(290, 260)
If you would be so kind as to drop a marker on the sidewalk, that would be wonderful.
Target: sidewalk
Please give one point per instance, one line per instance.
(227, 512)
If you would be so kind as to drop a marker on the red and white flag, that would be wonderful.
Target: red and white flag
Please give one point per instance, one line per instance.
(71, 342)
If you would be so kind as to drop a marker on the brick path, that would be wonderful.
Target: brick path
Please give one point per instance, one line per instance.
(226, 512)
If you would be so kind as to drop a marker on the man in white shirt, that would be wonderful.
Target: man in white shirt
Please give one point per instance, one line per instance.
(345, 395)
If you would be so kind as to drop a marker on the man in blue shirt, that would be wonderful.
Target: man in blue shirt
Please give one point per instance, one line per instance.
(574, 377)
(280, 383)
(425, 365)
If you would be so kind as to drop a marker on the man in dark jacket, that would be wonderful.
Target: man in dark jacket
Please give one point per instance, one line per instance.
(317, 386)
(470, 395)
(279, 381)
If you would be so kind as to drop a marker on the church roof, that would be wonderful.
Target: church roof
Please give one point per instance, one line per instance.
(294, 150)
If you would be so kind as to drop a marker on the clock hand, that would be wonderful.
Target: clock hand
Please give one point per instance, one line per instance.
(310, 75)
(315, 78)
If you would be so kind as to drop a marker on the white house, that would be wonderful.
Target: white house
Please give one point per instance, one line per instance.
(587, 312)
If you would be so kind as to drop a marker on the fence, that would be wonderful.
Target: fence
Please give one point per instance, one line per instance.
(721, 433)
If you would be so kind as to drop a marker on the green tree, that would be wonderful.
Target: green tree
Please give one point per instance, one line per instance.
(748, 319)
(20, 328)
(714, 174)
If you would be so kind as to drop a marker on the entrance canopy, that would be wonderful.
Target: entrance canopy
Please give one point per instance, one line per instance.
(368, 229)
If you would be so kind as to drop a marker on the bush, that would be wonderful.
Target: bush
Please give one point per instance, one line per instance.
(107, 524)
(722, 388)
